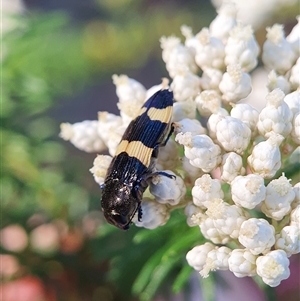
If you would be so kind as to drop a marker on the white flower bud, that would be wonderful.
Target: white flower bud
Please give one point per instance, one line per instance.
(248, 191)
(167, 44)
(294, 77)
(233, 134)
(129, 110)
(213, 121)
(257, 235)
(224, 21)
(275, 47)
(191, 211)
(242, 263)
(167, 190)
(205, 190)
(293, 101)
(211, 79)
(235, 84)
(209, 51)
(100, 166)
(200, 150)
(128, 89)
(154, 214)
(168, 156)
(295, 216)
(279, 196)
(107, 124)
(296, 201)
(197, 256)
(265, 159)
(295, 134)
(276, 117)
(185, 86)
(242, 48)
(208, 102)
(278, 81)
(294, 38)
(209, 231)
(231, 167)
(191, 172)
(179, 59)
(273, 267)
(190, 39)
(247, 114)
(217, 259)
(83, 135)
(115, 138)
(189, 125)
(289, 240)
(223, 219)
(186, 109)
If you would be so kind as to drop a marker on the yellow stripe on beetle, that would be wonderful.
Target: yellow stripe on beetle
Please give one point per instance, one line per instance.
(162, 115)
(137, 150)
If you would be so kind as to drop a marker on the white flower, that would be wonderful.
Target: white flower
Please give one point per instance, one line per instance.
(213, 121)
(247, 114)
(205, 190)
(294, 77)
(296, 201)
(276, 117)
(295, 134)
(191, 211)
(83, 135)
(128, 89)
(211, 79)
(179, 58)
(224, 21)
(233, 134)
(163, 85)
(167, 44)
(154, 214)
(185, 109)
(279, 196)
(189, 125)
(295, 216)
(224, 218)
(231, 167)
(278, 81)
(242, 263)
(265, 159)
(168, 156)
(217, 259)
(294, 38)
(273, 267)
(100, 166)
(185, 85)
(191, 172)
(293, 101)
(289, 240)
(200, 150)
(248, 191)
(209, 51)
(276, 46)
(197, 256)
(208, 102)
(167, 190)
(235, 84)
(190, 39)
(107, 124)
(257, 235)
(241, 48)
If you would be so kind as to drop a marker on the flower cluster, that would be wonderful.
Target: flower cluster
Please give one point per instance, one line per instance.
(252, 228)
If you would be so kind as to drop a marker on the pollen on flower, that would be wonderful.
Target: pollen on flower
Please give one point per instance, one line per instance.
(203, 36)
(216, 209)
(210, 265)
(250, 231)
(275, 33)
(235, 72)
(281, 185)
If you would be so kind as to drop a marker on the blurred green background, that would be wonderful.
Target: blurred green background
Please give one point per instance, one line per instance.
(57, 61)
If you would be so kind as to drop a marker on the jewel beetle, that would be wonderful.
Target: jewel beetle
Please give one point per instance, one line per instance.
(134, 162)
